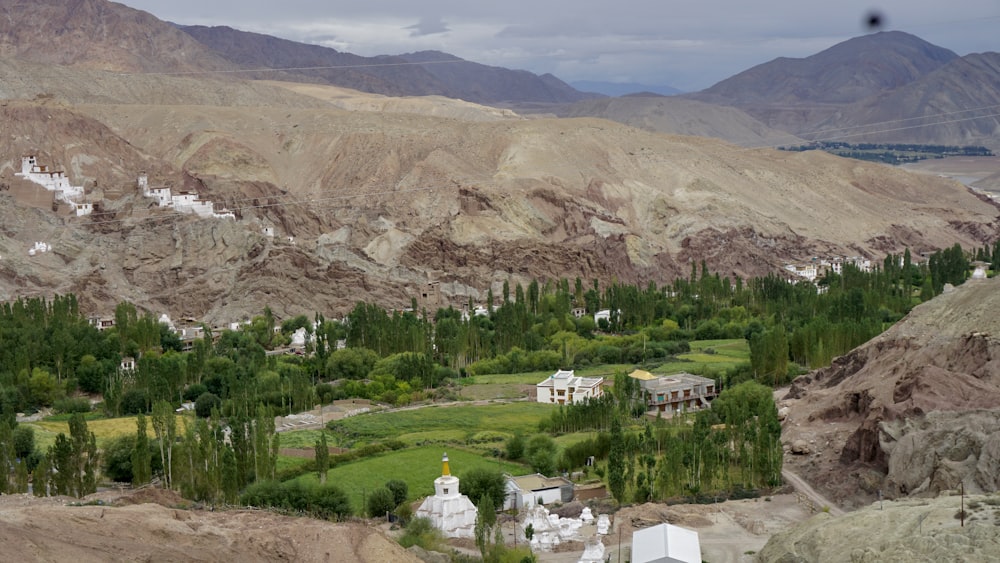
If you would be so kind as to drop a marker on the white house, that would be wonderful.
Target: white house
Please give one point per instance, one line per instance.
(665, 543)
(565, 387)
(526, 491)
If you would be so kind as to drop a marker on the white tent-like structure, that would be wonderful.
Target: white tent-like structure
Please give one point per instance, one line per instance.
(665, 543)
(451, 512)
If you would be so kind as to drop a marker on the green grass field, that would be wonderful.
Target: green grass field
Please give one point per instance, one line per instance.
(104, 429)
(728, 354)
(509, 418)
(418, 467)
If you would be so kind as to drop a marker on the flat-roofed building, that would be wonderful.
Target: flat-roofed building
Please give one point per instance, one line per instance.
(680, 392)
(564, 387)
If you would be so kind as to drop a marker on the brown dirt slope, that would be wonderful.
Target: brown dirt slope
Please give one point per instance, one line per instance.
(924, 392)
(47, 530)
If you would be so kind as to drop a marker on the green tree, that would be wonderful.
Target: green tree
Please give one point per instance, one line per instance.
(400, 490)
(117, 459)
(480, 482)
(616, 462)
(380, 502)
(486, 519)
(141, 456)
(165, 427)
(322, 457)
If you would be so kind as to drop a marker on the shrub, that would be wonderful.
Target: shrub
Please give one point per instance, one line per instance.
(117, 458)
(205, 403)
(24, 441)
(380, 502)
(400, 490)
(134, 401)
(330, 501)
(420, 531)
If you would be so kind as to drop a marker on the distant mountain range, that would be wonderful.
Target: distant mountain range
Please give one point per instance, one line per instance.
(414, 74)
(623, 88)
(888, 86)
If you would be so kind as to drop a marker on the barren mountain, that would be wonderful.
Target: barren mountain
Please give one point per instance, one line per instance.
(956, 104)
(913, 411)
(884, 87)
(847, 72)
(679, 116)
(100, 35)
(378, 203)
(414, 74)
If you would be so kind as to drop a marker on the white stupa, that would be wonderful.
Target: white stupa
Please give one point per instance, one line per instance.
(451, 512)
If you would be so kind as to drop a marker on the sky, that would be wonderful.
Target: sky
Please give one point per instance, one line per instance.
(687, 44)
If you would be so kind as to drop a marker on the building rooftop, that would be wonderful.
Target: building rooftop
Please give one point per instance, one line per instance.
(537, 481)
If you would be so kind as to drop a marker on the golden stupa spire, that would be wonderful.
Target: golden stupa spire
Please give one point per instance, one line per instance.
(444, 465)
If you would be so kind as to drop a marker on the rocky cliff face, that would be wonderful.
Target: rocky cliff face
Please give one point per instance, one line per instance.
(915, 410)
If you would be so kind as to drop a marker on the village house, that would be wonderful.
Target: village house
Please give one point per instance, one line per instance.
(526, 491)
(564, 387)
(680, 392)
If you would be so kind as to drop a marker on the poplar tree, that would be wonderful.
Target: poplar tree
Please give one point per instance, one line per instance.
(616, 461)
(322, 458)
(141, 462)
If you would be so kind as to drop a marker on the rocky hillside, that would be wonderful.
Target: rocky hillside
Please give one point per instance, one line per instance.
(679, 116)
(100, 35)
(891, 532)
(913, 411)
(378, 203)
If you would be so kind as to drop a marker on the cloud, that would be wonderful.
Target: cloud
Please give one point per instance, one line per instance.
(428, 26)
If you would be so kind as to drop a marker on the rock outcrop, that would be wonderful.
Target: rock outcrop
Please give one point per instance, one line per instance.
(916, 410)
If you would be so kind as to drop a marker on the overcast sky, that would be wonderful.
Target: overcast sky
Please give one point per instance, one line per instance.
(689, 44)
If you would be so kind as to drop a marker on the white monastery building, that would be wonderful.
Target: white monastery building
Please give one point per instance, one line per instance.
(452, 513)
(54, 181)
(564, 387)
(182, 202)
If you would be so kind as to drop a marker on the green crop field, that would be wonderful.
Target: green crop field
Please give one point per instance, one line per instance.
(509, 418)
(418, 467)
(104, 429)
(726, 354)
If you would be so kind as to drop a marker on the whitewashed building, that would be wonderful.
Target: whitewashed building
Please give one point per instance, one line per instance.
(526, 491)
(564, 387)
(55, 181)
(665, 543)
(448, 510)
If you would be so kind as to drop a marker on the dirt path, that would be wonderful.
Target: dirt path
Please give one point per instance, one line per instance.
(801, 486)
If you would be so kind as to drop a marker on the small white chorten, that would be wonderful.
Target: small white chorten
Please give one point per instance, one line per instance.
(451, 512)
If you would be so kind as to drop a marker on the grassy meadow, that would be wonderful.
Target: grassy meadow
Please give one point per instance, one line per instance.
(418, 467)
(104, 429)
(457, 423)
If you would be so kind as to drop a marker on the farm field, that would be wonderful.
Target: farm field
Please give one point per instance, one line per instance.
(418, 467)
(104, 429)
(727, 355)
(455, 423)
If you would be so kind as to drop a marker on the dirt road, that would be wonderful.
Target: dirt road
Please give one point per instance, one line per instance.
(801, 486)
